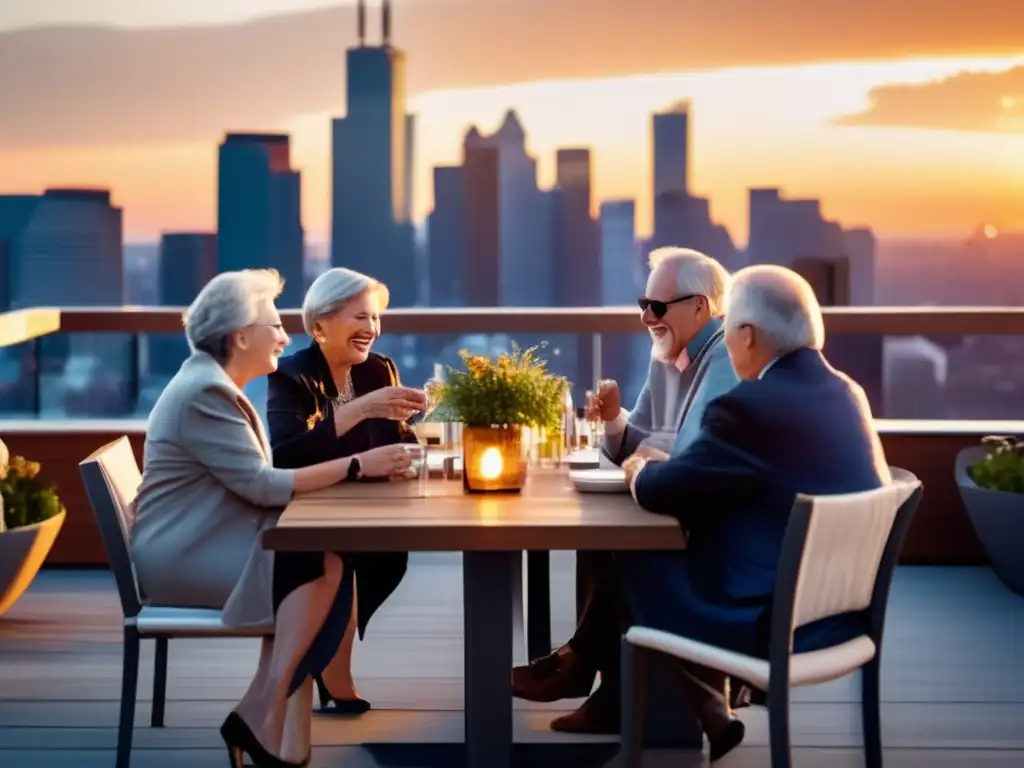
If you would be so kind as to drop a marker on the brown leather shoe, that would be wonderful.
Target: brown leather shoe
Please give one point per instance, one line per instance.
(559, 675)
(598, 715)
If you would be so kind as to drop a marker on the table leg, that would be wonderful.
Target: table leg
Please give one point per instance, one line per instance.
(487, 598)
(538, 603)
(520, 612)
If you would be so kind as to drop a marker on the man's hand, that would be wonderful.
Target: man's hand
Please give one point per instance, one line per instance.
(650, 453)
(632, 467)
(606, 403)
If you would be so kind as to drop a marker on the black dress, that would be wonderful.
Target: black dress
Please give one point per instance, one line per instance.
(300, 414)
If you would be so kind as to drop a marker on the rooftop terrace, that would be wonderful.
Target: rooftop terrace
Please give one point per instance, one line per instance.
(953, 681)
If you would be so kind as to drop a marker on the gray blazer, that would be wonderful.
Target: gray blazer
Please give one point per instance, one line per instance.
(208, 491)
(671, 404)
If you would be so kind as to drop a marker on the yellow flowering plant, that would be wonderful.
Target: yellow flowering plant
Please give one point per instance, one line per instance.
(514, 389)
(27, 498)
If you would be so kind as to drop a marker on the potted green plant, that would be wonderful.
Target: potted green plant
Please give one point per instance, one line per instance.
(495, 399)
(991, 481)
(32, 516)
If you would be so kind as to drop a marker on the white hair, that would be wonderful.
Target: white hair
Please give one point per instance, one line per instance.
(780, 304)
(696, 273)
(332, 289)
(225, 304)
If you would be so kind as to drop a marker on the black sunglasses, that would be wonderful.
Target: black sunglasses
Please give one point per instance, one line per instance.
(659, 308)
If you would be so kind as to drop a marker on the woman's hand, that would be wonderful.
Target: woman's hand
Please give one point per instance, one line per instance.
(387, 460)
(395, 403)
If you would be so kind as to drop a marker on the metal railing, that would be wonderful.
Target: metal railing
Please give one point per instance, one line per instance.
(126, 375)
(891, 321)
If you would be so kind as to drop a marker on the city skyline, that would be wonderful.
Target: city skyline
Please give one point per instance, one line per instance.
(924, 147)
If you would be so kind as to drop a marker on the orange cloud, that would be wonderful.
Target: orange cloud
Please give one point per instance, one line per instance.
(966, 101)
(90, 86)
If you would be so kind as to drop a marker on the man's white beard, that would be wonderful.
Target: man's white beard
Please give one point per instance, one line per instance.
(661, 349)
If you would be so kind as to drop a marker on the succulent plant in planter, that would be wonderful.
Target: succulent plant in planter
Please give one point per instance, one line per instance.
(27, 499)
(1003, 468)
(990, 477)
(33, 515)
(5, 458)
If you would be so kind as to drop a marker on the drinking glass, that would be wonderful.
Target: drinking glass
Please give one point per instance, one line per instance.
(419, 470)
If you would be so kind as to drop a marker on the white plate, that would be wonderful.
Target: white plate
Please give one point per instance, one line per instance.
(586, 459)
(599, 481)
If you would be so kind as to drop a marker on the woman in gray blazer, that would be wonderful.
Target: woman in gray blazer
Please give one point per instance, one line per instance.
(209, 488)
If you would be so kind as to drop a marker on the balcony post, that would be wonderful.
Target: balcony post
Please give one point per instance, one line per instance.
(596, 343)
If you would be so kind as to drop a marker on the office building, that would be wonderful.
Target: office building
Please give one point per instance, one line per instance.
(371, 184)
(259, 210)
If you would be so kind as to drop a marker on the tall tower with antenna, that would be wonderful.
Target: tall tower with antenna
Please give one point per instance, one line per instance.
(371, 205)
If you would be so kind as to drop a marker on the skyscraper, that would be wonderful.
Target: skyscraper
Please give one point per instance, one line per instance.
(577, 255)
(837, 263)
(188, 260)
(577, 258)
(524, 255)
(259, 210)
(481, 170)
(671, 131)
(618, 253)
(681, 218)
(63, 248)
(371, 186)
(446, 238)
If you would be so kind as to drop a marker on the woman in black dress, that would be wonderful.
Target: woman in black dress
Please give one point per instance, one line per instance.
(333, 399)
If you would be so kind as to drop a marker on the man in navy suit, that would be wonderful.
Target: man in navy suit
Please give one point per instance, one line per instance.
(792, 425)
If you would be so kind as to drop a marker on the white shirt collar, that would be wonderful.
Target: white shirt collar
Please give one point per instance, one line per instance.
(767, 368)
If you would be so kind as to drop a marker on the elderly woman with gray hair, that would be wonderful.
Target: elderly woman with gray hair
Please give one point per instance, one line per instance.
(208, 491)
(334, 399)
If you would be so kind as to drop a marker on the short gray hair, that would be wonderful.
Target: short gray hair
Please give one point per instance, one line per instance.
(225, 304)
(332, 289)
(696, 273)
(778, 302)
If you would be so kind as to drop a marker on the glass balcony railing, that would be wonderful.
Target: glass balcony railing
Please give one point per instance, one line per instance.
(914, 363)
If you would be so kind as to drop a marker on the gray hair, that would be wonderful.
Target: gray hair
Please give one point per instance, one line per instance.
(225, 304)
(333, 289)
(778, 302)
(696, 273)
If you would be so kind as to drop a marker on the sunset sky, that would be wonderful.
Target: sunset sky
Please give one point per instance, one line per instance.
(919, 131)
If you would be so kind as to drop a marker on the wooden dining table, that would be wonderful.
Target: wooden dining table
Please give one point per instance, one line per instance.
(491, 530)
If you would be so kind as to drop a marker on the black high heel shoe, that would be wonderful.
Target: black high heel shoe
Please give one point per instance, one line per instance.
(241, 741)
(356, 706)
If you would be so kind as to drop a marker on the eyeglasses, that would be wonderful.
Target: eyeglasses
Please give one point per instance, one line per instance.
(275, 326)
(659, 308)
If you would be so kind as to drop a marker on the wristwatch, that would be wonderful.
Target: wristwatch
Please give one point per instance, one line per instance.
(353, 469)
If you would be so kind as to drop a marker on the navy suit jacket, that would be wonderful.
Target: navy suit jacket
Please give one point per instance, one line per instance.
(802, 428)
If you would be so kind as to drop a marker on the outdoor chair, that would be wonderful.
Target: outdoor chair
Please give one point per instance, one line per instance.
(111, 477)
(838, 556)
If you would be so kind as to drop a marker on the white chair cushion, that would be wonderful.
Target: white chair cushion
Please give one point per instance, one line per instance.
(804, 668)
(190, 622)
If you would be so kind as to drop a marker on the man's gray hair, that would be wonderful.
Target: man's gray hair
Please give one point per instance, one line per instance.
(696, 273)
(226, 304)
(332, 289)
(780, 304)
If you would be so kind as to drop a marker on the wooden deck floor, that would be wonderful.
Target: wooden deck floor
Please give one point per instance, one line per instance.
(953, 680)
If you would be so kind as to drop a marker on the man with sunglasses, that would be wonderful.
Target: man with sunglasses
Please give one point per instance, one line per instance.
(682, 310)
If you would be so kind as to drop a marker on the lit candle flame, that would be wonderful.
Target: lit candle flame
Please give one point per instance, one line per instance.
(490, 464)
